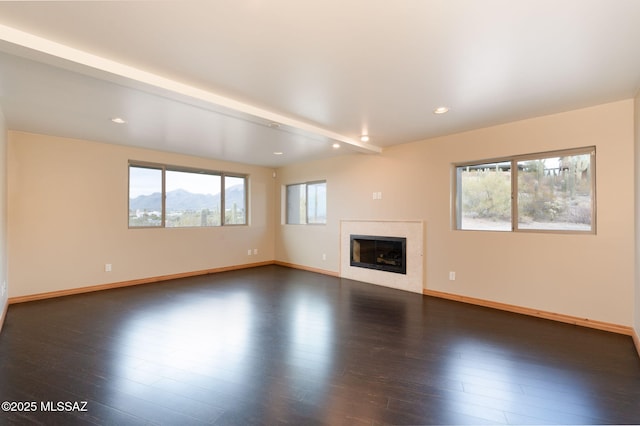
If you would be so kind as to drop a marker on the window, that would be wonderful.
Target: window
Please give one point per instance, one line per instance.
(235, 190)
(484, 196)
(173, 197)
(307, 203)
(552, 191)
(317, 202)
(145, 201)
(192, 199)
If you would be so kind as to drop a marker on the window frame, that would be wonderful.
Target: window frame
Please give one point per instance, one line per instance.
(306, 203)
(185, 169)
(456, 198)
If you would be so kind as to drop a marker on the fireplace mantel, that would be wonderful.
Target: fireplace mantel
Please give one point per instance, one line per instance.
(414, 233)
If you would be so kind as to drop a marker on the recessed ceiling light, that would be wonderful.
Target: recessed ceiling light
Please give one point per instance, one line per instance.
(118, 120)
(364, 138)
(336, 145)
(278, 152)
(441, 110)
(274, 125)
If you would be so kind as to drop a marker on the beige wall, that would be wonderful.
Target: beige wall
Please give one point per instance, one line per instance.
(588, 276)
(3, 214)
(68, 217)
(637, 216)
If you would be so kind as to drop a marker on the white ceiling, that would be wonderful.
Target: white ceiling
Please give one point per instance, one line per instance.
(208, 77)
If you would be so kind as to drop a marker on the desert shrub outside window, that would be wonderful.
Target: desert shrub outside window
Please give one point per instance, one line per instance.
(547, 192)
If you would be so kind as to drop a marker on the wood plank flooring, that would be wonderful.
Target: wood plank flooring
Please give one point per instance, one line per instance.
(273, 345)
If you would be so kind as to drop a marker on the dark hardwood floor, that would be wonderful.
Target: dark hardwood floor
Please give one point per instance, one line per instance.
(273, 345)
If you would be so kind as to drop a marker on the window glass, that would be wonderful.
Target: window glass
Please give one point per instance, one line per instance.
(555, 193)
(235, 200)
(485, 196)
(317, 202)
(145, 196)
(540, 192)
(296, 204)
(192, 199)
(307, 203)
(169, 196)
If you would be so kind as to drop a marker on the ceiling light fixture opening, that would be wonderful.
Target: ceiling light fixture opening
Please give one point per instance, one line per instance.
(278, 152)
(336, 145)
(118, 120)
(441, 110)
(364, 138)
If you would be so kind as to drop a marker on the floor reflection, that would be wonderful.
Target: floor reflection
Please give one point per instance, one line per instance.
(502, 385)
(310, 339)
(211, 336)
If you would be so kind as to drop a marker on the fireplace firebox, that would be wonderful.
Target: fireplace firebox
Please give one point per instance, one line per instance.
(377, 252)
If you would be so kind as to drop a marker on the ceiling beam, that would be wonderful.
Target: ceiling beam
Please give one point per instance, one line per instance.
(53, 53)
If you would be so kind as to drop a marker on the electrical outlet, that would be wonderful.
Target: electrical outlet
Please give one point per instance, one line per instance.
(255, 251)
(452, 276)
(324, 256)
(107, 267)
(4, 288)
(249, 252)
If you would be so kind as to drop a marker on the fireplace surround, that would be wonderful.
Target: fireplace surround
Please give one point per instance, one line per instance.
(414, 231)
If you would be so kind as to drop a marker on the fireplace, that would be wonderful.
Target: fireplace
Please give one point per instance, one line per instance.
(378, 252)
(412, 275)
